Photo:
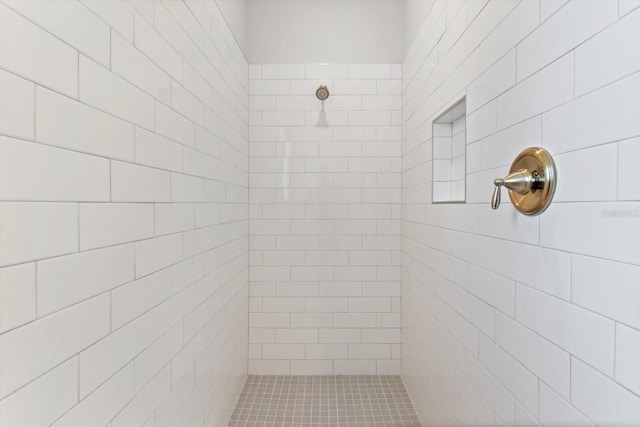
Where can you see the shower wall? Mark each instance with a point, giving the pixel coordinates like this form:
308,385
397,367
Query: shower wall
124,216
510,319
325,219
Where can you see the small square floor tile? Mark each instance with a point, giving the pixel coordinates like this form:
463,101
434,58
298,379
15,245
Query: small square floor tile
323,401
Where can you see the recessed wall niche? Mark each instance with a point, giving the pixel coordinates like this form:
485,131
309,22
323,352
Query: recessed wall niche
449,154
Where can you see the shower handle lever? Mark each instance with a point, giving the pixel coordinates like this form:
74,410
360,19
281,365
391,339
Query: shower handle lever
521,182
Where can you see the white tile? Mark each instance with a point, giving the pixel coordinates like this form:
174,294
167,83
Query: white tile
326,71
50,62
508,32
627,356
493,82
369,71
627,152
609,55
311,367
566,29
354,367
327,351
544,90
66,280
53,394
497,396
104,90
135,298
520,381
145,402
186,357
104,224
579,123
132,65
570,165
17,111
103,404
30,231
66,123
613,220
173,217
34,349
601,399
72,22
606,287
296,336
133,183
103,359
17,295
587,335
549,7
31,171
283,71
554,410
369,351
118,15
156,356
544,359
626,6
155,254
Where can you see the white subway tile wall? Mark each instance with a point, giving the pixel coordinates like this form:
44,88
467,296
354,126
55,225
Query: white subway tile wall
511,320
325,219
124,279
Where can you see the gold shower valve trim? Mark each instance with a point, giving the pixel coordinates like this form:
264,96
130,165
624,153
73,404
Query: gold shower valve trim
531,182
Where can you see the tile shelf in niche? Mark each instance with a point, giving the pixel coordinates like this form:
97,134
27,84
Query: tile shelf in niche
449,155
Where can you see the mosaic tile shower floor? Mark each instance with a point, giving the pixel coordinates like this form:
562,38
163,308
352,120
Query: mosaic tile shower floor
341,401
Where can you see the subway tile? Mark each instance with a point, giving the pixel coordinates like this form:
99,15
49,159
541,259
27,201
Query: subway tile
606,287
354,367
627,151
554,410
543,313
34,349
613,220
71,22
66,123
101,89
53,394
133,183
70,279
132,65
104,224
557,81
579,123
104,403
17,109
550,363
601,399
119,16
627,371
50,62
609,55
17,295
520,381
50,228
36,172
145,402
135,298
576,22
160,252
103,359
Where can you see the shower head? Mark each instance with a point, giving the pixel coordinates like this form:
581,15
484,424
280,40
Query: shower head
322,93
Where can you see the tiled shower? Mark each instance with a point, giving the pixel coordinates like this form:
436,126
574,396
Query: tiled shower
189,237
